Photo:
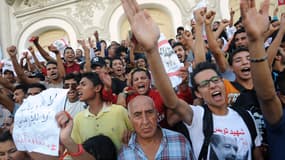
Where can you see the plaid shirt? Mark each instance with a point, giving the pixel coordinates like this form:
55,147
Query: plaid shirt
173,146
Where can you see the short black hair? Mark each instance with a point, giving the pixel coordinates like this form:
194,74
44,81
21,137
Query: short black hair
93,77
113,59
37,85
6,136
23,87
121,49
232,45
234,52
8,71
178,44
199,68
179,28
241,30
51,62
37,74
74,76
139,70
67,49
100,147
238,21
178,35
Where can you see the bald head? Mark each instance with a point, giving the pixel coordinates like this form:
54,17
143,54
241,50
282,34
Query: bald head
140,100
143,116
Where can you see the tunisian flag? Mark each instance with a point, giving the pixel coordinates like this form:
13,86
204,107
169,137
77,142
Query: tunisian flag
281,2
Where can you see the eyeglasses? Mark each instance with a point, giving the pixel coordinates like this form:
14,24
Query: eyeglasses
206,83
70,85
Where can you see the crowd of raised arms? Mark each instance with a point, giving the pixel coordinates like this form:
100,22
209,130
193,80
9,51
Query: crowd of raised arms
121,103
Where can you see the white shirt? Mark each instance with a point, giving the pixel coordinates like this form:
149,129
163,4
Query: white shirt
230,126
74,107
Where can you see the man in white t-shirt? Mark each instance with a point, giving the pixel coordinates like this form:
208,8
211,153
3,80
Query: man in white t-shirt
207,84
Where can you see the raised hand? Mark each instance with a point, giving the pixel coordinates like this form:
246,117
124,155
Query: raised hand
224,23
25,54
256,23
65,123
106,79
143,27
82,43
210,17
53,49
275,12
34,39
12,51
96,34
232,12
91,42
31,49
199,15
282,22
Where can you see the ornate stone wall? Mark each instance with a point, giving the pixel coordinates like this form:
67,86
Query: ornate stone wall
77,19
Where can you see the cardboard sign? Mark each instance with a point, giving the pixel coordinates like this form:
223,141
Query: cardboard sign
170,61
35,127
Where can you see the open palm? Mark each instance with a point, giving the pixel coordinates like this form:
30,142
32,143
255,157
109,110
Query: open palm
143,27
255,23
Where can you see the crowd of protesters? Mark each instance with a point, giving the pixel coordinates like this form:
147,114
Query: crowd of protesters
121,104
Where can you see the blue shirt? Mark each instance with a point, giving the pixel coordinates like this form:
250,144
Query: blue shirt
173,146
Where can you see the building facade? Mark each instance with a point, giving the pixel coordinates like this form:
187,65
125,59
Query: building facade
78,19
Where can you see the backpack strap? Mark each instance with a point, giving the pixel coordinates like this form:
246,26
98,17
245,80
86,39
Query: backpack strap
247,118
239,87
207,130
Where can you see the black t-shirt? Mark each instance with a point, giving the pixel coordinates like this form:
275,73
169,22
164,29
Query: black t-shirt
118,85
248,101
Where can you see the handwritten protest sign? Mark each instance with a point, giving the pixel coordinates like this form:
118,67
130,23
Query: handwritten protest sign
170,61
35,127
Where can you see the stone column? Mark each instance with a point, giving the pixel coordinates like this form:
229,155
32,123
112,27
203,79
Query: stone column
5,32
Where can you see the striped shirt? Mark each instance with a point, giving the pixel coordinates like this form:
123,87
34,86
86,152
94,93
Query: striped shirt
173,146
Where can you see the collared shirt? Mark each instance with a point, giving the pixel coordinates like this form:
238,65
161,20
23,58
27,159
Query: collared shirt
173,146
111,121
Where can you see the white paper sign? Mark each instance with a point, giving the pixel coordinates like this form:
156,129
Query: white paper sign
35,127
170,61
60,44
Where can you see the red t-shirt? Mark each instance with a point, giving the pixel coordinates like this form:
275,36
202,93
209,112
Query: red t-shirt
75,68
